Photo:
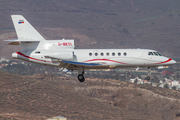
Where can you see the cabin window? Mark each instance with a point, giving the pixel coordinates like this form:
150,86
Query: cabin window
119,54
90,54
107,54
150,53
96,54
113,54
37,52
125,54
102,54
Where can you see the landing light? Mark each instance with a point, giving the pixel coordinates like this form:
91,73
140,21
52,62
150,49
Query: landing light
161,67
113,66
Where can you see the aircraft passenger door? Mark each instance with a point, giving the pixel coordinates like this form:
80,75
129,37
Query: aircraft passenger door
96,54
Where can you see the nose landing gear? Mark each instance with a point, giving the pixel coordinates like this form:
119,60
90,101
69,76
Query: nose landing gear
148,74
148,78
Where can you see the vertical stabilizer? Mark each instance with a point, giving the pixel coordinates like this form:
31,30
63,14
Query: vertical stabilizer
24,29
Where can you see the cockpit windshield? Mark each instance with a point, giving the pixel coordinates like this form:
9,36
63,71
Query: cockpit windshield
150,53
154,53
159,54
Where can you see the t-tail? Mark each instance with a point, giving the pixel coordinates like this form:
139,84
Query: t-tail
25,31
34,48
28,37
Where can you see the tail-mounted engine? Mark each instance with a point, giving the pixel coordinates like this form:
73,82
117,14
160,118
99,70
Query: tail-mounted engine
62,55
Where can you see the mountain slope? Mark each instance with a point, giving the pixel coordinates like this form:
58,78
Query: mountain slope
101,24
45,96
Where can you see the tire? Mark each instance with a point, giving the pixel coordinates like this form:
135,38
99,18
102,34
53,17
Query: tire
148,78
81,78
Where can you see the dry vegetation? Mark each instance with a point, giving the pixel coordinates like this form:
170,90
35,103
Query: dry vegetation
43,96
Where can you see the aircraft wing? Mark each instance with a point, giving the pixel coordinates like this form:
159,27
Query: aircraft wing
81,63
71,64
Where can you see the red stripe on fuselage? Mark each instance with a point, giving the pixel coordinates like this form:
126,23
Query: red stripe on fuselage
105,60
122,62
19,53
165,61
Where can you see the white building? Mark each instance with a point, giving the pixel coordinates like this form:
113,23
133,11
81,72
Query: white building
58,118
4,59
170,83
138,80
174,83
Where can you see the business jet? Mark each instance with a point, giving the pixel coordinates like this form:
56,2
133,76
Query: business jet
62,53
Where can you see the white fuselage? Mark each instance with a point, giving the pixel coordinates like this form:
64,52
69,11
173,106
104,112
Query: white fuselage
52,52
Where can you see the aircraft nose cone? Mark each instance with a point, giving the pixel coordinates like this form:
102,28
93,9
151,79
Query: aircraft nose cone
173,61
169,61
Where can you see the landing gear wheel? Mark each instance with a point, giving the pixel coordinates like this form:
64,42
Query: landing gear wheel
81,78
148,78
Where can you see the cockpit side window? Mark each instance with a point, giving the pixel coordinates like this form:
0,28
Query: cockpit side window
150,53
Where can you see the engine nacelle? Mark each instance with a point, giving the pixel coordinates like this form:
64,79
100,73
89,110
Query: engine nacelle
62,55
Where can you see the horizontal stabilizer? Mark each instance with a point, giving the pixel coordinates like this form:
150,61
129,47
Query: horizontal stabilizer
17,41
14,43
22,40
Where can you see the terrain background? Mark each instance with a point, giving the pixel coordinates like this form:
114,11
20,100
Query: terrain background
151,24
45,96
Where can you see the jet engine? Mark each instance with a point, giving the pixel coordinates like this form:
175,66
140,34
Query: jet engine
62,55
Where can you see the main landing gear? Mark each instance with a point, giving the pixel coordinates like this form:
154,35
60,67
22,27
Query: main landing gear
80,74
81,78
148,74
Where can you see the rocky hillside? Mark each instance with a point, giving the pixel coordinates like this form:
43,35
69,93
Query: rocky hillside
44,96
99,24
